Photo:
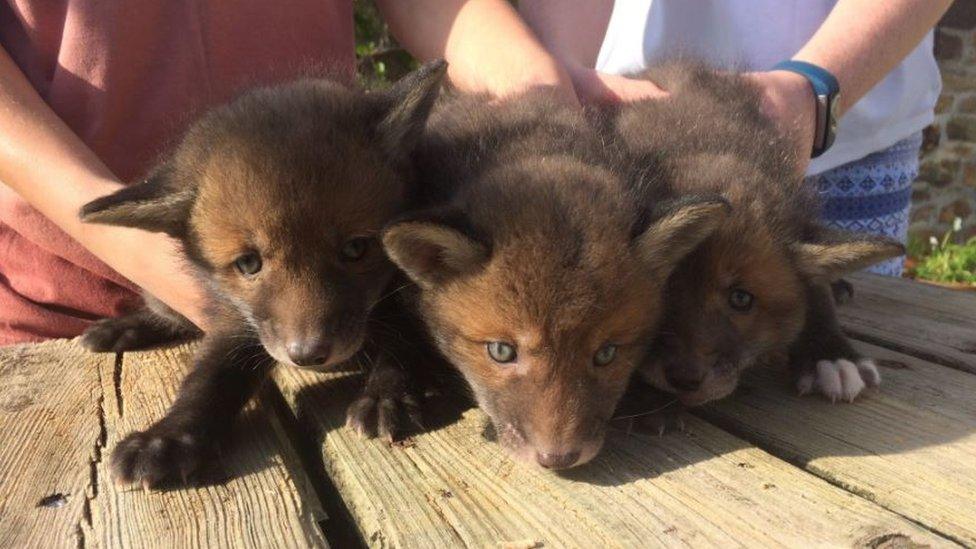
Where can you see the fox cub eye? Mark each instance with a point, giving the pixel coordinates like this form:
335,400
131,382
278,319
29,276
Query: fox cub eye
248,264
501,352
741,300
605,355
354,249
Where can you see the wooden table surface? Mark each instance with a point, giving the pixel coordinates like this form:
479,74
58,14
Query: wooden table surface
762,468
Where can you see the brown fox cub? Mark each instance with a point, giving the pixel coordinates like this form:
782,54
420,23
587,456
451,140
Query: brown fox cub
758,287
538,277
278,199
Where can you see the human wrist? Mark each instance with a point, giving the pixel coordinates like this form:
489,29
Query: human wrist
784,89
788,100
826,91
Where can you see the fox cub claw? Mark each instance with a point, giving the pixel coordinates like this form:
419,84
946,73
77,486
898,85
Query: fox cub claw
158,456
112,335
128,333
381,418
386,398
663,422
840,379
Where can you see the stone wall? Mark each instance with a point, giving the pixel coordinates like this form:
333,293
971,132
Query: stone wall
946,187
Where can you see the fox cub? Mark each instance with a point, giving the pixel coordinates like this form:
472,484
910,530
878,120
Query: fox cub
278,199
537,276
758,287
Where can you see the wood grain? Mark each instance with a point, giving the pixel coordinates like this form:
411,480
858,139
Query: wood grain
262,497
451,487
50,436
917,319
909,446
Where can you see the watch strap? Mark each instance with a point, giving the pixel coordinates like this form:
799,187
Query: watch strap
826,89
822,81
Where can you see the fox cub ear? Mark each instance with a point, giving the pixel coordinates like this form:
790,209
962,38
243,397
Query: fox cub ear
152,205
432,253
827,254
408,103
676,228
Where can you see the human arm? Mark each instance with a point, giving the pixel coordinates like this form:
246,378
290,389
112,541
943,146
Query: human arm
860,42
573,32
487,46
45,163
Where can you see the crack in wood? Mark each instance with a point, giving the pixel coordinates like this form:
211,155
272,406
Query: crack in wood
117,383
91,491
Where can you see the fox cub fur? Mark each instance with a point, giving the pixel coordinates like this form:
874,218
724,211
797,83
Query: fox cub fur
538,277
758,287
278,199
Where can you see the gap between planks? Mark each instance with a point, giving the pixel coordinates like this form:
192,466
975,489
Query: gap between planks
928,322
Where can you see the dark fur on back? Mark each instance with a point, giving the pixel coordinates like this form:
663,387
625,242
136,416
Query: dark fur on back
533,249
742,296
278,199
709,136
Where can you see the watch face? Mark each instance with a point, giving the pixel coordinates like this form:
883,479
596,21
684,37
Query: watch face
831,121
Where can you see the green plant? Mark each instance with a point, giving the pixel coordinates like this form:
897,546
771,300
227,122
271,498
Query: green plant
380,59
949,261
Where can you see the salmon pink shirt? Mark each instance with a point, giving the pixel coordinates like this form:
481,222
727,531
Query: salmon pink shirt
127,77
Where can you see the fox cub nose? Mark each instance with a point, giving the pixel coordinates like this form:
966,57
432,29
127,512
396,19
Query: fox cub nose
557,461
308,352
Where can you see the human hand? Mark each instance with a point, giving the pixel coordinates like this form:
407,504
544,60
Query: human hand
788,101
161,268
547,75
595,87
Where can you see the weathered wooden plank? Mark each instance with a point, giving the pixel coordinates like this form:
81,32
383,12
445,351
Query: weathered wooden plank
451,487
265,501
917,319
50,436
909,446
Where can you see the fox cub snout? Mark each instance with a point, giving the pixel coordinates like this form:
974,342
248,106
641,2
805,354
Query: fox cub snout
278,199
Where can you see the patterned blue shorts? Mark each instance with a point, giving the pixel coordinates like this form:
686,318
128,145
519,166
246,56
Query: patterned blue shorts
873,195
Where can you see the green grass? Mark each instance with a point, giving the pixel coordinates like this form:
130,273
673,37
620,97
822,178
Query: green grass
946,260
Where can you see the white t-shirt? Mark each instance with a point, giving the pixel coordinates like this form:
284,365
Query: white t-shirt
757,34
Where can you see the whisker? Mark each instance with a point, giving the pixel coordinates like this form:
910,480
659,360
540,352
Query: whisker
655,410
392,292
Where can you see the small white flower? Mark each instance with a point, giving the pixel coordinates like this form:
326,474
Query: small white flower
957,224
934,241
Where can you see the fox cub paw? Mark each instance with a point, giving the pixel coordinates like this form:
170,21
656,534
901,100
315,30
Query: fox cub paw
840,379
158,456
386,399
380,417
122,334
842,290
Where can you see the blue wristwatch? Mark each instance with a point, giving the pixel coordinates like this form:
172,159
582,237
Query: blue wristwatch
827,91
